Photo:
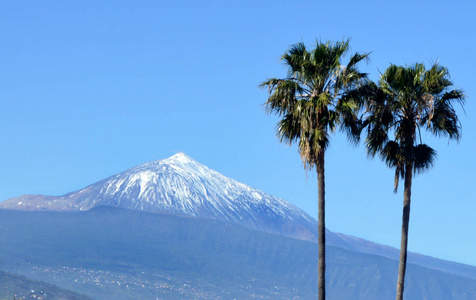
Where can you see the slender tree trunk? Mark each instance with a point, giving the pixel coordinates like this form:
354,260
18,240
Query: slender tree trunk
405,221
321,230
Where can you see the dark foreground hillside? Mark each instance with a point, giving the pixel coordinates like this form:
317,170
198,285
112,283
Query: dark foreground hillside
120,254
18,287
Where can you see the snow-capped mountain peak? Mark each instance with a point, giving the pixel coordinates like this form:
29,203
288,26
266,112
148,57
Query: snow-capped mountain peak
182,186
180,157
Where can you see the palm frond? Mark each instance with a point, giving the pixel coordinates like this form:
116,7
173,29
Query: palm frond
391,154
288,129
357,58
423,157
283,93
376,139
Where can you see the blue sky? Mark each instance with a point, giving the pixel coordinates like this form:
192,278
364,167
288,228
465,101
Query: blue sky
91,88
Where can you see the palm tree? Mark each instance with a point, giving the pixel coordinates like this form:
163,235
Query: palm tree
309,102
406,101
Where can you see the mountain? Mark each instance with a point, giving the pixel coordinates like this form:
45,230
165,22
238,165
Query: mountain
364,246
19,287
182,186
110,253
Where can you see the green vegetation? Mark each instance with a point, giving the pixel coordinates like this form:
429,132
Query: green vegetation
406,101
310,102
321,93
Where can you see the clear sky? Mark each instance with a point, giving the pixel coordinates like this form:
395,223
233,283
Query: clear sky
91,88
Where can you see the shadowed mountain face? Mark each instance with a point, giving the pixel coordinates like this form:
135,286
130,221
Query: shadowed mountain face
110,253
181,186
18,287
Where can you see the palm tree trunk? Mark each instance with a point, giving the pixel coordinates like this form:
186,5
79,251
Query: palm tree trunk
321,229
405,221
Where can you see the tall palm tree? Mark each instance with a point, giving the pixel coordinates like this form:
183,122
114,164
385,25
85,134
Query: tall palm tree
406,101
308,100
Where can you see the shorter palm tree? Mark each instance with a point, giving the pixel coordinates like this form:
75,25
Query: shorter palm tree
406,101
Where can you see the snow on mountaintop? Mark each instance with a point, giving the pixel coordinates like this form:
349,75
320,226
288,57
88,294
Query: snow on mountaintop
182,186
181,157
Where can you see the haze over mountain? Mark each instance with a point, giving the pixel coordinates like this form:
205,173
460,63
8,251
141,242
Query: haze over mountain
181,186
117,254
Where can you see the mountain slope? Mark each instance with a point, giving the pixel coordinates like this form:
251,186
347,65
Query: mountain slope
180,185
189,258
19,287
364,246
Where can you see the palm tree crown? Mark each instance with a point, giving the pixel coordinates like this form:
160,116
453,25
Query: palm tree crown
309,101
307,97
407,100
